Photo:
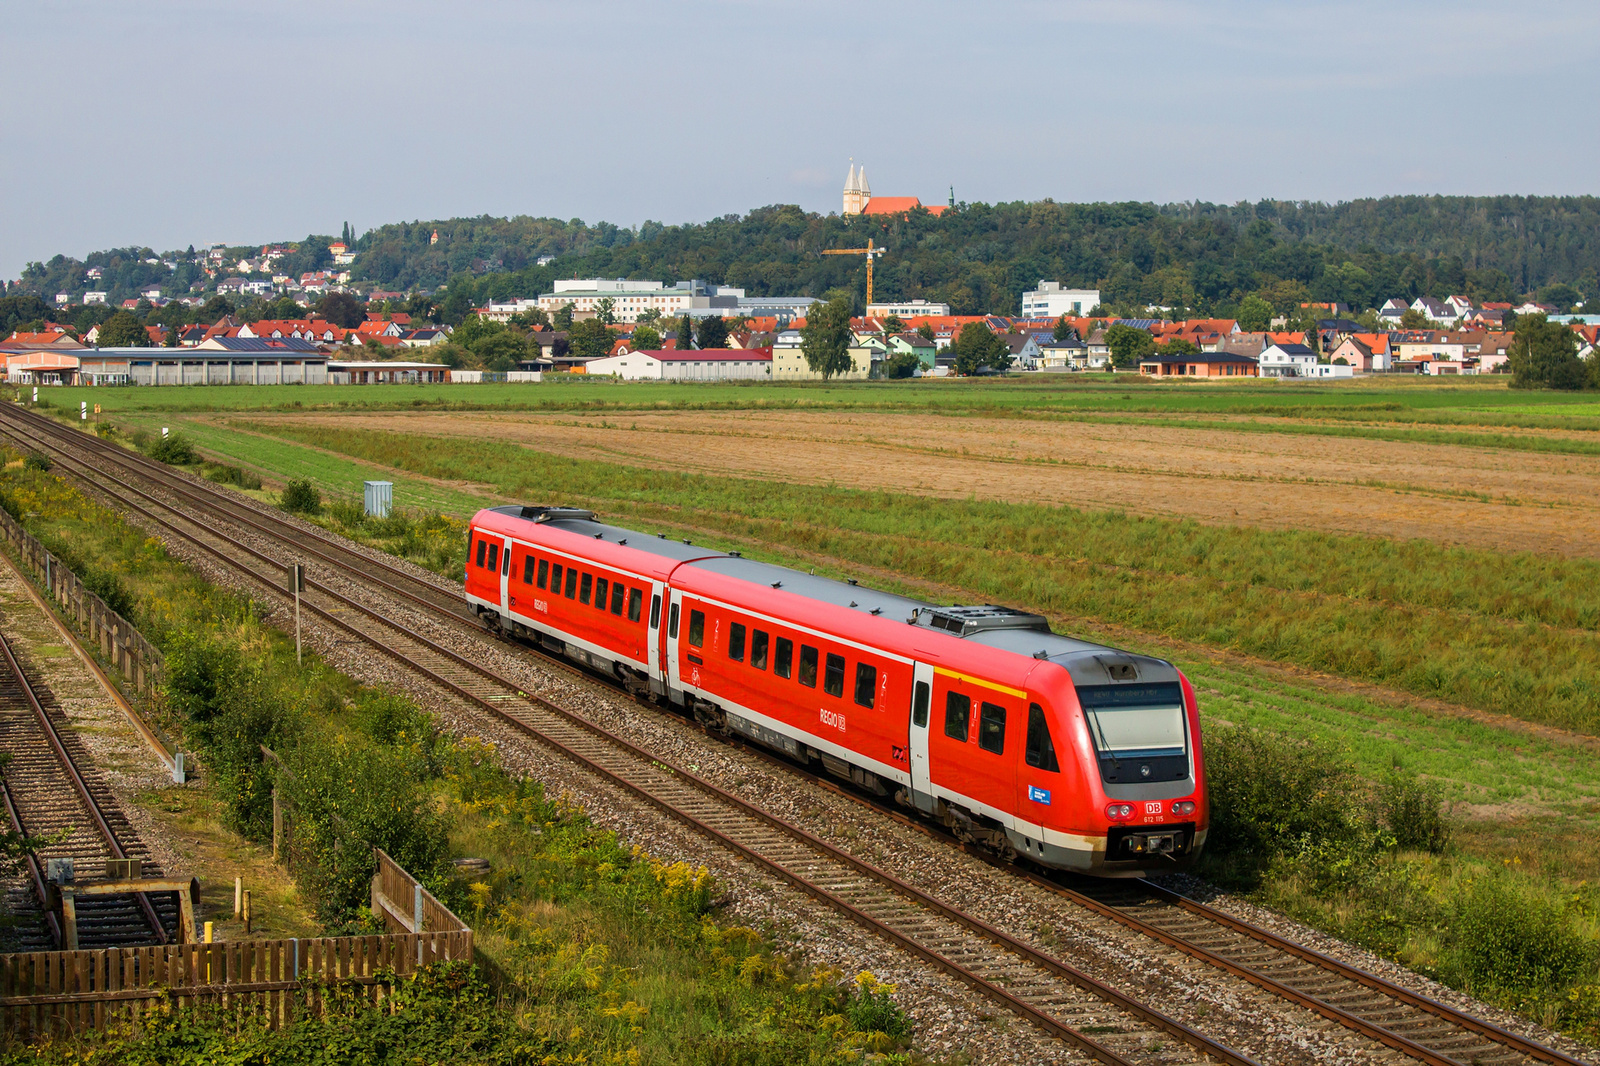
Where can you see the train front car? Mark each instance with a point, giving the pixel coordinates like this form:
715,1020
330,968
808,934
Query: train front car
1112,779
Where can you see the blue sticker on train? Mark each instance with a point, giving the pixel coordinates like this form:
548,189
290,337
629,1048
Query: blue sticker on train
1038,795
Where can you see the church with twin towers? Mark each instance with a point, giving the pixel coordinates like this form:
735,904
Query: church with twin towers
858,198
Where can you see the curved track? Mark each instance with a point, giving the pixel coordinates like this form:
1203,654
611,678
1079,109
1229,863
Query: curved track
1410,1024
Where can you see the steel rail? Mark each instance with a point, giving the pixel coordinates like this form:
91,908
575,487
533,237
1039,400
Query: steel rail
1150,1016
79,785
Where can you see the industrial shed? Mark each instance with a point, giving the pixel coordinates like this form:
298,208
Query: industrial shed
218,361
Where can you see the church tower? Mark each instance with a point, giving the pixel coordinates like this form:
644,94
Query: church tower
856,191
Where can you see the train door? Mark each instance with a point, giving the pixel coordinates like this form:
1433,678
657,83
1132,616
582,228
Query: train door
653,637
921,700
505,575
669,663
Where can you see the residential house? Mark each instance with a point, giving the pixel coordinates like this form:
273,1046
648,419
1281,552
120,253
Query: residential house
233,285
1071,354
424,338
1392,311
313,330
1287,360
1433,310
789,361
1203,365
1251,344
1487,319
94,298
1098,351
710,364
1024,350
1429,345
1366,352
914,344
1458,307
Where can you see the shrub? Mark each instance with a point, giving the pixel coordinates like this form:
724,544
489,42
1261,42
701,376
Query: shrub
1413,812
225,474
1509,939
301,497
174,450
350,514
904,365
37,461
871,1008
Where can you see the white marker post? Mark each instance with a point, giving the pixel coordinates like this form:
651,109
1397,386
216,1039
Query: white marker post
163,432
297,582
83,410
36,394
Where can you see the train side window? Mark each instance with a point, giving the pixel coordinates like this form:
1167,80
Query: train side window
572,583
483,546
697,628
494,557
527,569
635,604
1040,752
957,716
555,580
992,728
655,612
672,622
808,666
919,705
616,600
833,675
866,684
736,642
507,561
544,572
782,656
758,649
585,588
601,586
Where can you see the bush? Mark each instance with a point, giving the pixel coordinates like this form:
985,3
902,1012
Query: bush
350,514
37,461
225,474
174,450
904,365
1509,939
1413,812
301,497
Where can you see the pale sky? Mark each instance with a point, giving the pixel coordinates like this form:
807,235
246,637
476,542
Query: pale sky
171,122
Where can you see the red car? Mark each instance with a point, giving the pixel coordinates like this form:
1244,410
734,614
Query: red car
1076,755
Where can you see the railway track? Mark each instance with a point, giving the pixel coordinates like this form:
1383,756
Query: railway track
47,794
1409,1025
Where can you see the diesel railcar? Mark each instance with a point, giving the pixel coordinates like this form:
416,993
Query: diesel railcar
1075,755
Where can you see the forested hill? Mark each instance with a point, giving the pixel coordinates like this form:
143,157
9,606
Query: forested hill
981,257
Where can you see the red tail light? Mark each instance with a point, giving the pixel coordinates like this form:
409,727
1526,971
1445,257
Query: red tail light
1119,812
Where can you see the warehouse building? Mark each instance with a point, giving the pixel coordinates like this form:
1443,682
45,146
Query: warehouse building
218,361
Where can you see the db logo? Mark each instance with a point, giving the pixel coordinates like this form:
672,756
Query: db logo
1152,808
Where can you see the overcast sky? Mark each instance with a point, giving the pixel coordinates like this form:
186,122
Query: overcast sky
171,122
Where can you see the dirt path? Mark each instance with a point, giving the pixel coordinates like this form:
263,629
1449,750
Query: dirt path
1482,497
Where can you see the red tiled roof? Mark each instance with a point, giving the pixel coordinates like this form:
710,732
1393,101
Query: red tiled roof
708,355
896,205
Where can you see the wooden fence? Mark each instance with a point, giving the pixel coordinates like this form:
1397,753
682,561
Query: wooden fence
120,643
276,980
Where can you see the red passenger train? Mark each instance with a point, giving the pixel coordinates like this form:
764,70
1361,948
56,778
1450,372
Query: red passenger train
1073,754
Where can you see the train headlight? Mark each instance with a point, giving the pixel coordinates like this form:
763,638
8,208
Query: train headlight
1119,812
1185,807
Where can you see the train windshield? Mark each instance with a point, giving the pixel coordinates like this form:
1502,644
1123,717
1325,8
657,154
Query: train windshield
1138,730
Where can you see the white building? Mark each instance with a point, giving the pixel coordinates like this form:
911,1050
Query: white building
1050,300
630,299
908,309
709,364
94,298
1288,361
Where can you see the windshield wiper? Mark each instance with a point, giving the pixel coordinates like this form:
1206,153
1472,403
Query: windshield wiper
1105,745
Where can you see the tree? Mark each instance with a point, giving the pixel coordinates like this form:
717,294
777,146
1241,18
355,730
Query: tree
904,365
590,339
925,331
893,324
649,316
1561,295
215,308
455,306
123,330
825,338
1064,331
563,319
1544,355
529,318
713,333
171,339
342,309
1255,314
977,346
606,311
1128,345
1411,318
646,339
501,351
685,333
1177,346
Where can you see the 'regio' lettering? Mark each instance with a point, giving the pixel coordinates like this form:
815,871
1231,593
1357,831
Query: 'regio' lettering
831,718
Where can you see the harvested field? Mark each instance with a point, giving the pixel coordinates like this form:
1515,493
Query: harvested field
1482,497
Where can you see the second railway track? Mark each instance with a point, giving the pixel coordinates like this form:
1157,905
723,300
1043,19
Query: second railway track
1398,1021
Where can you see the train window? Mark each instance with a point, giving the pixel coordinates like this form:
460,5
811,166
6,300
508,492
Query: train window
919,705
572,583
833,675
600,585
635,604
555,580
992,728
697,628
1040,753
655,612
758,649
782,656
957,715
808,666
672,622
585,588
736,642
527,569
544,572
494,557
866,684
616,601
483,546
507,565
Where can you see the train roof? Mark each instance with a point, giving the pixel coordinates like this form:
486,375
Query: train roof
822,589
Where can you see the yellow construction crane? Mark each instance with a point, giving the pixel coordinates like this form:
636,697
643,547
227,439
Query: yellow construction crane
869,251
